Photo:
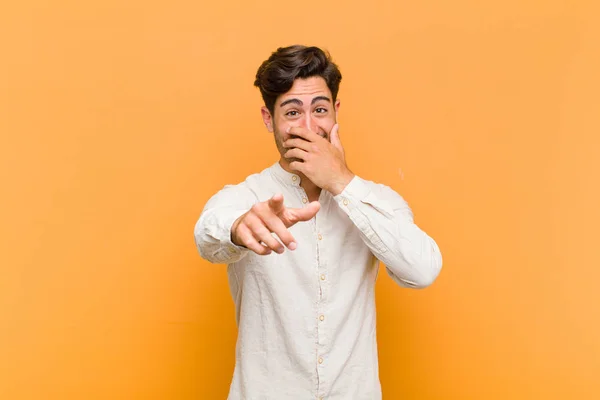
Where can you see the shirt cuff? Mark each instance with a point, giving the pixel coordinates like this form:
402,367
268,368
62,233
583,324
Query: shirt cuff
357,194
232,248
353,194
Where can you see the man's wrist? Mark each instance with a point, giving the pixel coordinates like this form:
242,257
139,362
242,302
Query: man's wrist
340,184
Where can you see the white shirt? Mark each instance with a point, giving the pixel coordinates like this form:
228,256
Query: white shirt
306,318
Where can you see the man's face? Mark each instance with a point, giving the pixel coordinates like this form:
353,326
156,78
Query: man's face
307,104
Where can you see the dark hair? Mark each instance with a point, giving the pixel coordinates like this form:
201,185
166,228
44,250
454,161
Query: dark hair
277,74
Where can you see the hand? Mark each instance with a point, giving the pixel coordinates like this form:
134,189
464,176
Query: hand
322,162
253,229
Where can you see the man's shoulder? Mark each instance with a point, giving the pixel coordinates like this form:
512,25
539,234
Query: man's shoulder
256,178
254,184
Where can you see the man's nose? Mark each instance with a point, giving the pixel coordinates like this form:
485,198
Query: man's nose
311,124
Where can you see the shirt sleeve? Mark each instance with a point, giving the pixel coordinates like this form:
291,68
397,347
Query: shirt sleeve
387,227
212,232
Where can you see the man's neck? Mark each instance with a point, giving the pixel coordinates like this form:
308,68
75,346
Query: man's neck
312,191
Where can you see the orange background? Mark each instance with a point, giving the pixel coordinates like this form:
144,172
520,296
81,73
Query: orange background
119,120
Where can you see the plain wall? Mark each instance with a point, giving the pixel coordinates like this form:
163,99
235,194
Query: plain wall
119,120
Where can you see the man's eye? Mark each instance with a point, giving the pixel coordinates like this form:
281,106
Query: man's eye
321,110
292,113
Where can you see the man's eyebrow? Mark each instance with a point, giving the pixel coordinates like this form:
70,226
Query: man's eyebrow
289,101
300,103
320,98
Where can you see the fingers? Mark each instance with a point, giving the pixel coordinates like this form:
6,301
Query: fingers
261,233
247,238
296,153
275,203
297,166
276,225
303,133
335,137
305,213
334,130
298,143
254,231
253,234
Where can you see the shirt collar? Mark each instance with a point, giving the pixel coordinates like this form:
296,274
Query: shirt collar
284,176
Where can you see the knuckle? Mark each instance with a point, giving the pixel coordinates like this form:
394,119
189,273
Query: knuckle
256,227
249,222
246,238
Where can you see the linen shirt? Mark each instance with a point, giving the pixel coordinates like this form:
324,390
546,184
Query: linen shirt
306,318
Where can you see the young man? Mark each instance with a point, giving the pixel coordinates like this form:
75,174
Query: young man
303,240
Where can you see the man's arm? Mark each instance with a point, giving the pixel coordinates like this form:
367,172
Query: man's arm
234,222
384,219
386,225
212,232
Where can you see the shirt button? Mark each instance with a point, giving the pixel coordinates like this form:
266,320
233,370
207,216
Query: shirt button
345,202
320,360
294,178
304,200
320,236
322,317
322,277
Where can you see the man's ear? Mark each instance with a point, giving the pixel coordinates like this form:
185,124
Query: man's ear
337,108
267,118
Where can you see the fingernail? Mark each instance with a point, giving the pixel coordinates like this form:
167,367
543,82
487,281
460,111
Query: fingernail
292,246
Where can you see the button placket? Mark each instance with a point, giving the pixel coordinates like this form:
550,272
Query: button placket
322,294
321,319
323,286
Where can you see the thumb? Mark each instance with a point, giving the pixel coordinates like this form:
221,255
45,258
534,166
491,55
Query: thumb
305,213
335,138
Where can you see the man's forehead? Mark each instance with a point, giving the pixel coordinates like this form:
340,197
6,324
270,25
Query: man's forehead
307,88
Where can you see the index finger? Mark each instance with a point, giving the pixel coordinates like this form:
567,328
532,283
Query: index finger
276,225
303,133
276,203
